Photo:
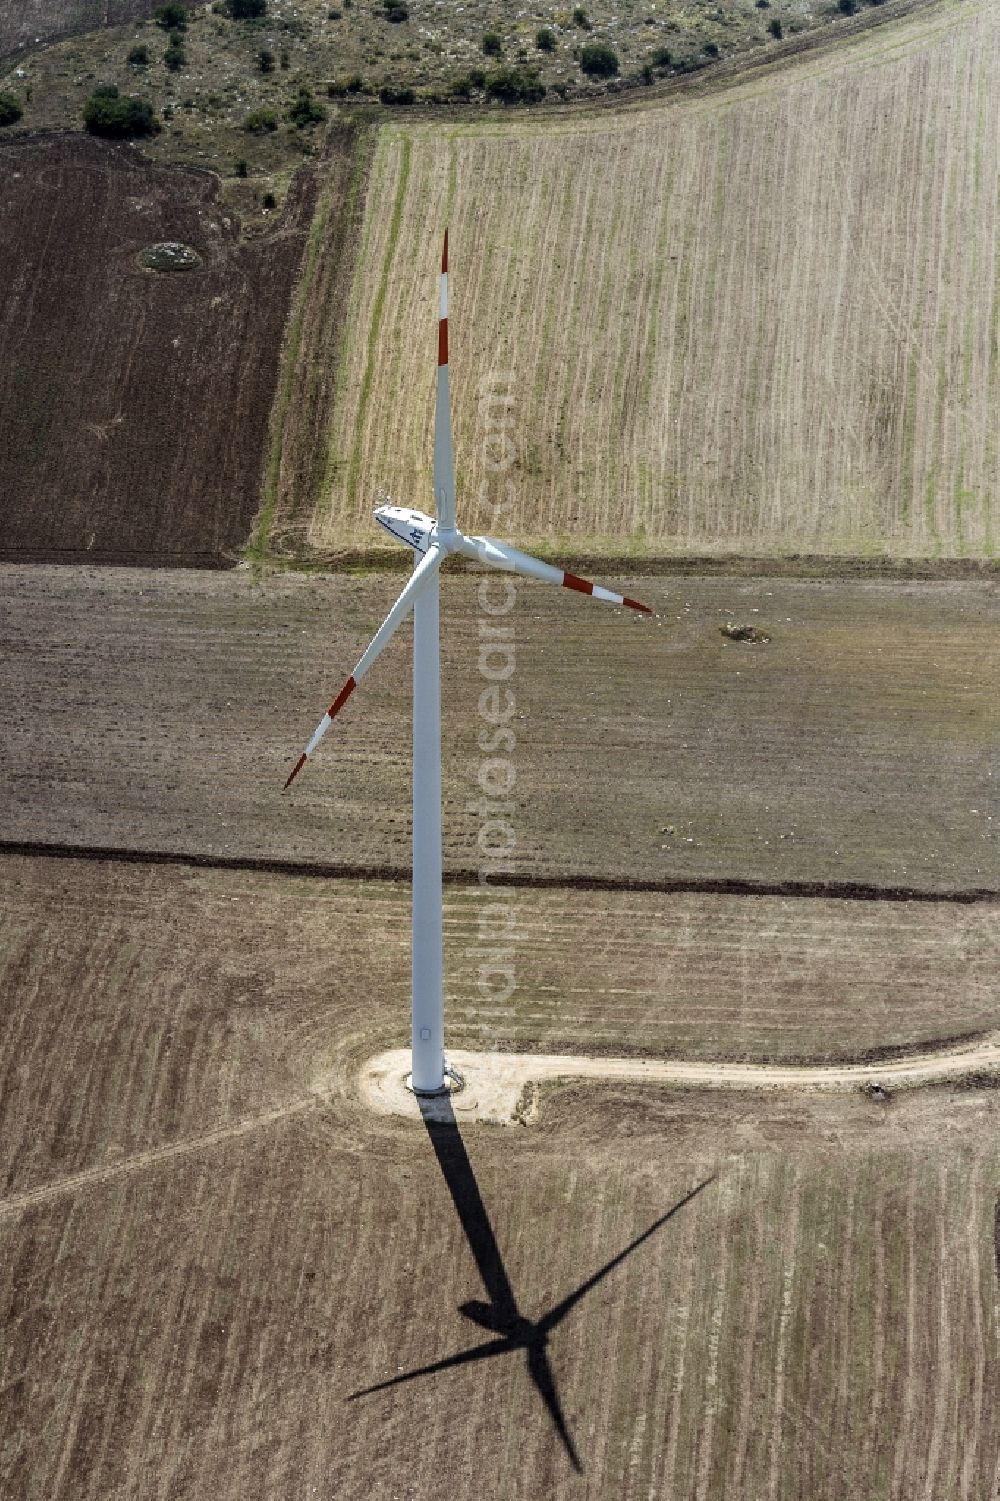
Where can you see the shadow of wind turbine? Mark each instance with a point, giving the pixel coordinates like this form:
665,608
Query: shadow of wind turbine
500,1315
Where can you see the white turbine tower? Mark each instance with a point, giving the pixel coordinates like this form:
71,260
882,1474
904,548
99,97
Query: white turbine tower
431,541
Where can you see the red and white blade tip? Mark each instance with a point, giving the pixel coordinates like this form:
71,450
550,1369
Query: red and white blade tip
295,771
584,586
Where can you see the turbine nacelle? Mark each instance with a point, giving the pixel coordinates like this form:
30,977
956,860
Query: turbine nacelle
413,528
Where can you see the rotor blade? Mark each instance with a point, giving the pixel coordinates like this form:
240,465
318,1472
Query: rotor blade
559,1312
464,1357
425,569
511,560
541,1375
444,476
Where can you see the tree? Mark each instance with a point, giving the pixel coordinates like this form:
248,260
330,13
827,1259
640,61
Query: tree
10,109
304,110
171,17
265,60
107,113
247,10
259,121
515,86
492,44
139,57
545,40
581,19
598,60
774,27
175,57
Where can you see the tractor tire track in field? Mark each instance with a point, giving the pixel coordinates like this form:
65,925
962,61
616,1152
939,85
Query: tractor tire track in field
848,891
110,1171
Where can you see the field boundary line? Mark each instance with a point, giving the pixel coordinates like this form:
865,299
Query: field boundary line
109,1171
857,891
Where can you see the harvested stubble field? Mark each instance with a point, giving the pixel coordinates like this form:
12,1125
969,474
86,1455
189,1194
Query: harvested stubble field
162,712
133,403
756,319
201,1257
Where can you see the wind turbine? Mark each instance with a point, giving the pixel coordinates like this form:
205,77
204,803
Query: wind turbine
432,541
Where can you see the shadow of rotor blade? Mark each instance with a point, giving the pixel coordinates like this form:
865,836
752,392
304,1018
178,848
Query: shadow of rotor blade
541,1375
559,1312
464,1357
453,1160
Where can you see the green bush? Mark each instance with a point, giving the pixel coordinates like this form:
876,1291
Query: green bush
10,109
175,57
240,168
139,57
661,58
265,61
774,27
247,10
259,121
477,78
493,44
171,17
305,110
581,19
353,85
390,95
712,49
107,113
598,60
396,12
269,201
545,40
515,86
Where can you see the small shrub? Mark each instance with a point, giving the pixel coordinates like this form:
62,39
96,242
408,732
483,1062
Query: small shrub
389,95
260,121
139,57
10,109
107,113
353,85
581,19
171,17
396,12
847,7
774,27
598,60
265,60
712,49
492,44
269,201
240,168
515,86
545,40
284,61
477,78
647,75
661,58
175,57
763,4
305,110
247,10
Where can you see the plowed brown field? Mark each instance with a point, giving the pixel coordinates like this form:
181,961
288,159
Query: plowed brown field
134,405
201,1258
26,22
164,711
760,318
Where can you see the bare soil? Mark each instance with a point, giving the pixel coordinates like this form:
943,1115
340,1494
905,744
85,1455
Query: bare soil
163,711
134,404
202,1258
